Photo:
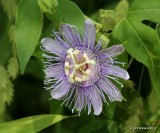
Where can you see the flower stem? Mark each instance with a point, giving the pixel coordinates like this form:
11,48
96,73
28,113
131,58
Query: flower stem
130,62
140,81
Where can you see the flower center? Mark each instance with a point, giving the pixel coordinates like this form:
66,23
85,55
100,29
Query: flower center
78,66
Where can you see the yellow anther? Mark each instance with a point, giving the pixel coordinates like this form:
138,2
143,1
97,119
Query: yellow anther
92,62
71,78
87,72
84,77
66,64
78,79
68,56
69,50
85,56
76,52
67,71
67,68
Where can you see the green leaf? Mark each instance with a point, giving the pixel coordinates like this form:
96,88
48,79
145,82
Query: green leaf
109,110
5,45
5,48
31,124
142,41
134,110
158,29
136,106
155,78
47,5
133,121
129,84
97,125
153,102
92,126
28,30
63,11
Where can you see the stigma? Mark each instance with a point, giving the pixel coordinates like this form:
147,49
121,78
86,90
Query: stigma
78,66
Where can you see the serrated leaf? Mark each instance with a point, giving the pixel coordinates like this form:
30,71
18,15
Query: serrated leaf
153,102
11,34
28,30
65,11
142,42
129,84
13,67
9,6
32,124
131,123
6,89
136,106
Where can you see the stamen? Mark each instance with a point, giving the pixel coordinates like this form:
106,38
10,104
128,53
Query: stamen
110,59
70,52
92,62
76,52
85,56
115,79
71,78
78,79
122,63
79,65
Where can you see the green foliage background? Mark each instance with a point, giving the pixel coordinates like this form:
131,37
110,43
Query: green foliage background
24,103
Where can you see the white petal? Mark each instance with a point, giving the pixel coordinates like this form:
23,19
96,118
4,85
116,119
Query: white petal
96,101
52,46
89,35
80,100
54,70
113,50
60,90
117,72
110,89
71,34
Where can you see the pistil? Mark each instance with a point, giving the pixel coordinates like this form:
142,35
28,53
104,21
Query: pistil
78,66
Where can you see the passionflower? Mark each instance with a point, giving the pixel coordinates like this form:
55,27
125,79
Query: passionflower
78,71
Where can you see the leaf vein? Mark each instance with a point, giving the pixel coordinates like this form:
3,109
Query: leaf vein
140,41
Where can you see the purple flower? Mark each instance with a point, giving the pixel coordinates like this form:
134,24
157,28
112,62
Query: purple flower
78,71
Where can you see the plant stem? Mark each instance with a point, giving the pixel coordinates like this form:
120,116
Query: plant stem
140,80
130,62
